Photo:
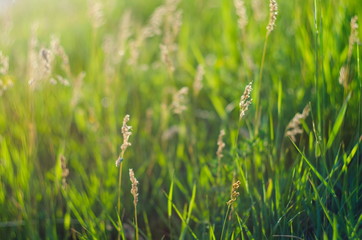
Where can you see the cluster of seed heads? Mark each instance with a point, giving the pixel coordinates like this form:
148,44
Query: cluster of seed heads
234,193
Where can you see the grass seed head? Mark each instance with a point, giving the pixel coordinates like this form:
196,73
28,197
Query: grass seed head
293,128
58,50
166,57
343,76
220,144
245,100
4,64
96,14
198,79
353,37
273,12
65,171
134,189
153,28
46,60
241,12
179,101
126,132
234,193
258,8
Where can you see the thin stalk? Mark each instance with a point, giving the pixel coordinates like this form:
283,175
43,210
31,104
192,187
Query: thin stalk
126,132
257,111
135,220
223,225
359,115
316,74
119,200
263,58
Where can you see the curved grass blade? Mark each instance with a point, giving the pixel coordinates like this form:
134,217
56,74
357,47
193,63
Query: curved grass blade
338,123
314,170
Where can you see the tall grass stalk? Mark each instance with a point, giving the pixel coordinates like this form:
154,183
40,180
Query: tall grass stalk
273,12
120,230
126,132
316,73
224,222
134,192
359,114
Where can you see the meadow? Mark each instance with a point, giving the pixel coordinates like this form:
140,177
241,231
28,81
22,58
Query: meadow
180,119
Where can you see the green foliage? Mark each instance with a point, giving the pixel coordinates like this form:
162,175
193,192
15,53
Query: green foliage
309,188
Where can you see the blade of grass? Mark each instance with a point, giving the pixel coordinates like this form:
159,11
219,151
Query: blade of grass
314,170
182,218
338,123
169,201
326,213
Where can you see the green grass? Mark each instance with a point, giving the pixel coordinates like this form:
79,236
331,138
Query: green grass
307,189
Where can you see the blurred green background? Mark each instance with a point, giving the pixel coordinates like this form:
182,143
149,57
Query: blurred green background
76,68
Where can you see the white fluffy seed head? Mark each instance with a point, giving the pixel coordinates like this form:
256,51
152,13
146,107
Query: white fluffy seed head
273,12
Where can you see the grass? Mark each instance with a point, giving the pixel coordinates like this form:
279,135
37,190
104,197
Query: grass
105,66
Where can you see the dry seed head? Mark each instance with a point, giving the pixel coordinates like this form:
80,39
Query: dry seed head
241,12
293,128
170,133
63,81
245,100
124,33
153,27
179,101
110,47
96,14
273,12
134,189
4,64
166,58
198,79
115,47
58,50
46,60
77,87
353,37
173,24
220,144
234,193
258,10
134,47
65,171
126,132
343,76
33,63
172,4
